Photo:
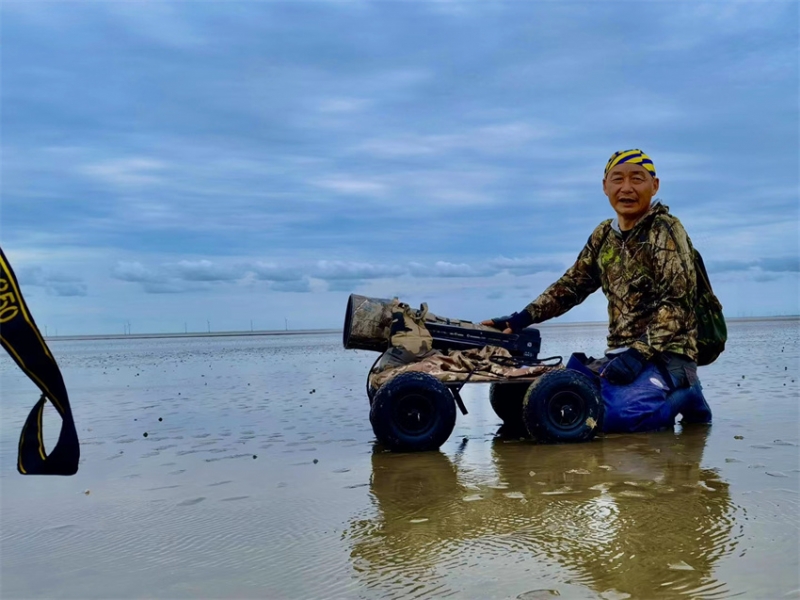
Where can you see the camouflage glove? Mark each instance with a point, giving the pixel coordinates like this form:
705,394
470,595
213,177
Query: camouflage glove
626,367
516,322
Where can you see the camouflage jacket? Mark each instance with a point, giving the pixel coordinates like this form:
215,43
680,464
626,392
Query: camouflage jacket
648,279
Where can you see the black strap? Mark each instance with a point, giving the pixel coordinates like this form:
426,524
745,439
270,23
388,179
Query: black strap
22,339
700,272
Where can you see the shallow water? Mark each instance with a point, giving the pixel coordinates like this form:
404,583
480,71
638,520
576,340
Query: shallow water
258,478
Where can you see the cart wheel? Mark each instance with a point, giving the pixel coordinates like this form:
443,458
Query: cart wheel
413,412
563,406
506,400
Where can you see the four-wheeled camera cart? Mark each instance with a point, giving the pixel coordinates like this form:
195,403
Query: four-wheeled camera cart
413,403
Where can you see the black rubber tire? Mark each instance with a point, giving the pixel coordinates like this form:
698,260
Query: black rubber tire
371,391
413,412
506,400
563,406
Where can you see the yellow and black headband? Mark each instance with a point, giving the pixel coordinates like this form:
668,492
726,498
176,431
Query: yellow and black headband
635,156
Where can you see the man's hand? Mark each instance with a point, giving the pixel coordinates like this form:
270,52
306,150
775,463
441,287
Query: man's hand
624,368
512,323
498,323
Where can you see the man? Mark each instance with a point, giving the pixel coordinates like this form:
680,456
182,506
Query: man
643,262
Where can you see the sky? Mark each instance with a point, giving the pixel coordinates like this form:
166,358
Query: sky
194,166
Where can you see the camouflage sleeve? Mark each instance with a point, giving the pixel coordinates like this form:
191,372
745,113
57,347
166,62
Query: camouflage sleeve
673,271
574,286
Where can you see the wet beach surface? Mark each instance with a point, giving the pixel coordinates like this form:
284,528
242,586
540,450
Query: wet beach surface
258,477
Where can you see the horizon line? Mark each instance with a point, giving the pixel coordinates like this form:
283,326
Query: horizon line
279,332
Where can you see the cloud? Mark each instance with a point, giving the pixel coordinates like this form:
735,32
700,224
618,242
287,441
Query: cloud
490,139
303,286
31,276
126,172
68,289
54,283
136,272
352,186
333,270
781,264
525,266
339,275
167,287
153,281
298,276
173,278
343,285
763,277
733,20
205,270
197,275
165,24
273,272
343,105
447,269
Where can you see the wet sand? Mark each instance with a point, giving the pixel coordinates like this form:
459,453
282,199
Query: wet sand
259,478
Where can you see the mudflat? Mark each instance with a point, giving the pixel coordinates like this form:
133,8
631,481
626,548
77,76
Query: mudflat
244,467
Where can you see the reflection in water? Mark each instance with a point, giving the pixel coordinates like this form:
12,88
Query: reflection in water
629,516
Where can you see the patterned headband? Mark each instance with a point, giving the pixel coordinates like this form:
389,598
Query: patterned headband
635,156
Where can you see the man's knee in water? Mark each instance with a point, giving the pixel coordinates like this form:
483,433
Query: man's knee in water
694,408
687,396
641,405
650,403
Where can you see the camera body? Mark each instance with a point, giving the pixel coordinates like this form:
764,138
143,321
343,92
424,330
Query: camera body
368,322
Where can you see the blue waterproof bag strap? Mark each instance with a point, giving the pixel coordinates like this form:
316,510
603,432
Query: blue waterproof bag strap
24,342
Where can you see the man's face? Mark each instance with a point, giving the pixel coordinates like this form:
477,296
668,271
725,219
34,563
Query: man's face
630,188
